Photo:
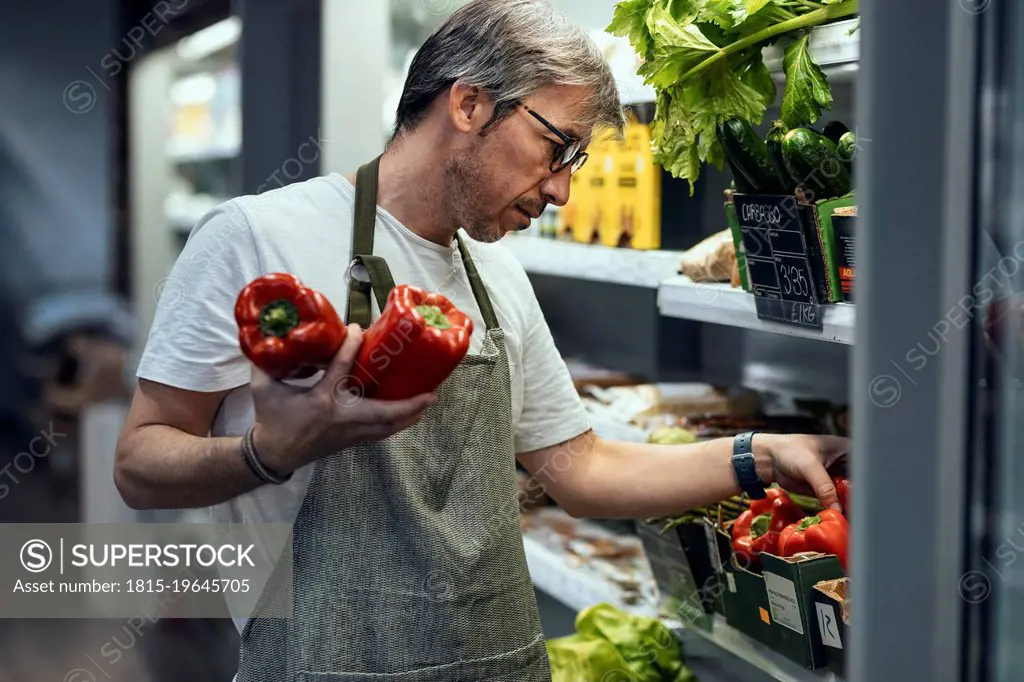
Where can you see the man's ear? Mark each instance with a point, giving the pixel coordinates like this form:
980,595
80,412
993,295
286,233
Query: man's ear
467,107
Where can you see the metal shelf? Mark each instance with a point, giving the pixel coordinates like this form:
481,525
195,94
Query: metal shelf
732,643
733,307
595,263
180,154
831,45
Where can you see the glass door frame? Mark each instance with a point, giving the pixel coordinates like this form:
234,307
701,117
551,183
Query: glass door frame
917,107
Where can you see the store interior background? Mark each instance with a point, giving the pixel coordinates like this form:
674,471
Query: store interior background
98,192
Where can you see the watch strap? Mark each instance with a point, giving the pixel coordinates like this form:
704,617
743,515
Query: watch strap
745,467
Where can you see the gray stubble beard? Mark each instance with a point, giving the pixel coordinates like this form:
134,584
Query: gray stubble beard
463,183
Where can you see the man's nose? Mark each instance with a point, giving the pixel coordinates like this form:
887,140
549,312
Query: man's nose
555,189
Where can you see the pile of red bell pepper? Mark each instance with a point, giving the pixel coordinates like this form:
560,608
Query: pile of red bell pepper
291,332
777,526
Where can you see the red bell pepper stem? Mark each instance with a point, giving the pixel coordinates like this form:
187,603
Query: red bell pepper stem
286,329
418,341
759,526
278,318
434,316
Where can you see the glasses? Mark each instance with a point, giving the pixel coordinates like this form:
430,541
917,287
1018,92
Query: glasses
569,154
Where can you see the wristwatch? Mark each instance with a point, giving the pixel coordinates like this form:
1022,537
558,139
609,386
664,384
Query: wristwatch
743,464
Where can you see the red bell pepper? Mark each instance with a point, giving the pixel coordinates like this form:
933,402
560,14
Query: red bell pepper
286,329
778,503
827,532
742,542
780,511
418,341
843,490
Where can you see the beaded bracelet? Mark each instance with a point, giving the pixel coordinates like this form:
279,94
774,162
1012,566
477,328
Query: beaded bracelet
257,467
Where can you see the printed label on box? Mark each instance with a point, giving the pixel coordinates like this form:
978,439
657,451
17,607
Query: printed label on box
782,599
828,627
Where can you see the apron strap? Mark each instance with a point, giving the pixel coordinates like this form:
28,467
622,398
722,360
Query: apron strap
360,305
483,301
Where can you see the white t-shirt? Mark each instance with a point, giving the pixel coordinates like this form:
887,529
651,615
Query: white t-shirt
306,229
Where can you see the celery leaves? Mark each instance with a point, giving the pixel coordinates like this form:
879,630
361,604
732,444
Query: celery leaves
687,119
807,89
630,21
703,58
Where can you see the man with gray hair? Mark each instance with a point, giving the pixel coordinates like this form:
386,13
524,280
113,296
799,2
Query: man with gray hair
407,559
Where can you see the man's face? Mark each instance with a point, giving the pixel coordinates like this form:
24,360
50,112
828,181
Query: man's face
499,182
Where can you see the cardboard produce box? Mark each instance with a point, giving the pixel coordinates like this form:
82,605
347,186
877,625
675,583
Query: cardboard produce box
737,239
819,228
844,220
789,583
681,591
777,607
832,606
745,599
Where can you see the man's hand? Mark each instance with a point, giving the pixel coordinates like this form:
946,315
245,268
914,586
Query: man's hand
802,464
297,426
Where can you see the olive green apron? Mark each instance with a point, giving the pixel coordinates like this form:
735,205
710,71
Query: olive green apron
407,553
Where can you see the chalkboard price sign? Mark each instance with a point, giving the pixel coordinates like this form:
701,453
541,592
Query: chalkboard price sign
777,260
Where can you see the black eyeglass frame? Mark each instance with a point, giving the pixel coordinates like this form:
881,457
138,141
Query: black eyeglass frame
568,141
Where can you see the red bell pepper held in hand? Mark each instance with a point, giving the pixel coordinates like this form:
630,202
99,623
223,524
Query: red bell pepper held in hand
418,341
842,485
286,329
778,503
827,532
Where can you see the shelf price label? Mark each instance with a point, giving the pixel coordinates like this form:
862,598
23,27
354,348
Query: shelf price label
777,260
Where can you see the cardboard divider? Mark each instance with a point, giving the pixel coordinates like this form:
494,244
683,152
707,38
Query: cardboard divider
832,608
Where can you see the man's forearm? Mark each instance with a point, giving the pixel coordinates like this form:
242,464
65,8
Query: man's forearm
160,467
635,480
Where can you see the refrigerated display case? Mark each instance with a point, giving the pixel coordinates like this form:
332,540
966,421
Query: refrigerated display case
934,92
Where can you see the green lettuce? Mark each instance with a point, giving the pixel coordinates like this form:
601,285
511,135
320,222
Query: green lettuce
703,58
611,644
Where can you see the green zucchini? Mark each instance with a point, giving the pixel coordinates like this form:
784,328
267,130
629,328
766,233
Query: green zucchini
774,143
813,160
749,154
834,131
740,179
847,149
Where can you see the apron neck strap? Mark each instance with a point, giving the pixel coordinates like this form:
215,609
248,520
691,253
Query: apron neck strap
381,282
483,301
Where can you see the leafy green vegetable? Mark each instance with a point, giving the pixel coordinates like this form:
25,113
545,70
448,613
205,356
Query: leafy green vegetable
703,57
758,77
807,88
612,644
630,21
